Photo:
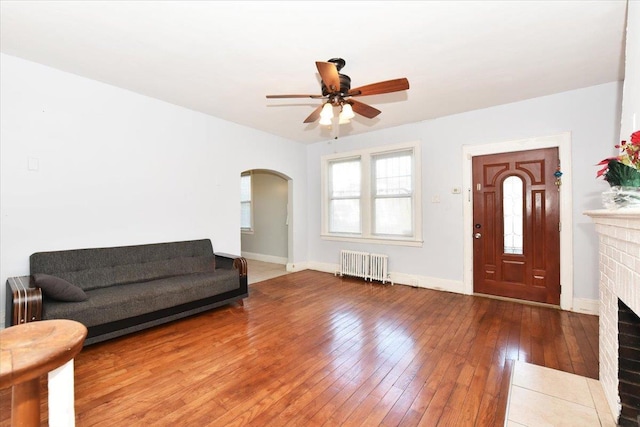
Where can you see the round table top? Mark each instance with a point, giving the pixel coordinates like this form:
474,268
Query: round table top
30,350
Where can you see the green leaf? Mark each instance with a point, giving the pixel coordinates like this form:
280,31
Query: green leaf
620,174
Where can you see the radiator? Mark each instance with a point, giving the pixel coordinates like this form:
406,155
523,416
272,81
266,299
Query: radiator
363,264
354,263
378,267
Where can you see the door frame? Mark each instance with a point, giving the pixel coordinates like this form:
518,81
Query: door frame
563,142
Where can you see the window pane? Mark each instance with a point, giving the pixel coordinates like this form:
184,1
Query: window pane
344,216
393,174
512,210
245,201
245,188
393,216
245,215
345,179
344,193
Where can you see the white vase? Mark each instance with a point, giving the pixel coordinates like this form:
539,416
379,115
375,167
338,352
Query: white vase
621,197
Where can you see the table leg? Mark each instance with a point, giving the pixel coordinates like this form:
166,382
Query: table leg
61,396
25,404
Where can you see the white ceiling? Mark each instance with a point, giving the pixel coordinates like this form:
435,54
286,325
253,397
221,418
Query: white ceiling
222,58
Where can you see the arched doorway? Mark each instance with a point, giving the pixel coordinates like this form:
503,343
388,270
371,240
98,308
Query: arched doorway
265,222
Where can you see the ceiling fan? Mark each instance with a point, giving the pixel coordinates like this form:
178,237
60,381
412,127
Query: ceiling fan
336,90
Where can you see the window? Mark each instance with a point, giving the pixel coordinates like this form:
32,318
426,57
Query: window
393,194
344,196
245,203
373,195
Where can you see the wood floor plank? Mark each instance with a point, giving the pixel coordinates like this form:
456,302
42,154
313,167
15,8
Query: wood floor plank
433,411
312,349
501,408
524,346
586,350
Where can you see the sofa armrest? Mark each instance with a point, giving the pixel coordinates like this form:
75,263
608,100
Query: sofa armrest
232,261
23,301
240,264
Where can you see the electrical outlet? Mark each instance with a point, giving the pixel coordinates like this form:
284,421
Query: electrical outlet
33,164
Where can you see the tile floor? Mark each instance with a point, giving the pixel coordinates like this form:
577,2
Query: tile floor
540,396
259,270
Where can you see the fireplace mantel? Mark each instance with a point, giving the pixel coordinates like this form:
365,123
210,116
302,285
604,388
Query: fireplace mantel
619,263
615,213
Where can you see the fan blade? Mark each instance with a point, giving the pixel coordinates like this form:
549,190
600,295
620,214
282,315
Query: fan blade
388,86
315,115
364,109
294,96
329,74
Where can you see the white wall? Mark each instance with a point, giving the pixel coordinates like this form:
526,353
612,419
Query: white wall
631,92
268,239
117,168
592,117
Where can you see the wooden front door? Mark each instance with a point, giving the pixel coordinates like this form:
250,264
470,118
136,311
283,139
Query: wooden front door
516,225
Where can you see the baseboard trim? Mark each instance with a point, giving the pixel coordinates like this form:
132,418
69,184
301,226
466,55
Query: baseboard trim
323,267
298,266
586,306
580,305
437,284
403,279
265,258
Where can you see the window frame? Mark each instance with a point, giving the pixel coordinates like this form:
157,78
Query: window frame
367,197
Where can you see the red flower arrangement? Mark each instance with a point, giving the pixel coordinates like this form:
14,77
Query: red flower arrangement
623,170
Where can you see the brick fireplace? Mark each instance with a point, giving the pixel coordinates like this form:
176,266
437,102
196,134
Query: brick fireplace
619,249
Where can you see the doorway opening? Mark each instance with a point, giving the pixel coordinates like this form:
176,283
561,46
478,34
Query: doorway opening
266,226
563,143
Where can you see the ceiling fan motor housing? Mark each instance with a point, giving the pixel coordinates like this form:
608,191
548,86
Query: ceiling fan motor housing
345,86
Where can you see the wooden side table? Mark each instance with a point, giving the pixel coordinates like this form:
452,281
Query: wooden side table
30,350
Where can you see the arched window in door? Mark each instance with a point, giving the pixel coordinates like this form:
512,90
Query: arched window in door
512,212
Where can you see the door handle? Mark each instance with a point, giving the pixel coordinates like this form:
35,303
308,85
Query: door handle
477,235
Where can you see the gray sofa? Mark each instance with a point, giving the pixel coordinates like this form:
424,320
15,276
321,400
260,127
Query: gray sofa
119,290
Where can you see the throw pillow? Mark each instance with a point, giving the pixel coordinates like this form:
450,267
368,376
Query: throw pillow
59,289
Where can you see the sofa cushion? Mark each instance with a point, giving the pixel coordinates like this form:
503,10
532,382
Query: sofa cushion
99,267
100,277
59,289
123,301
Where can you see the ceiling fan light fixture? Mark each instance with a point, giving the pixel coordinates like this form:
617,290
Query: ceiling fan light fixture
326,121
346,113
327,112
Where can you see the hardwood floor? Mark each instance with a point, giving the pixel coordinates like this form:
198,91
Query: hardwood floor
310,349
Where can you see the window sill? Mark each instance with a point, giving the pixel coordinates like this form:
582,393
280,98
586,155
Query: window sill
373,240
